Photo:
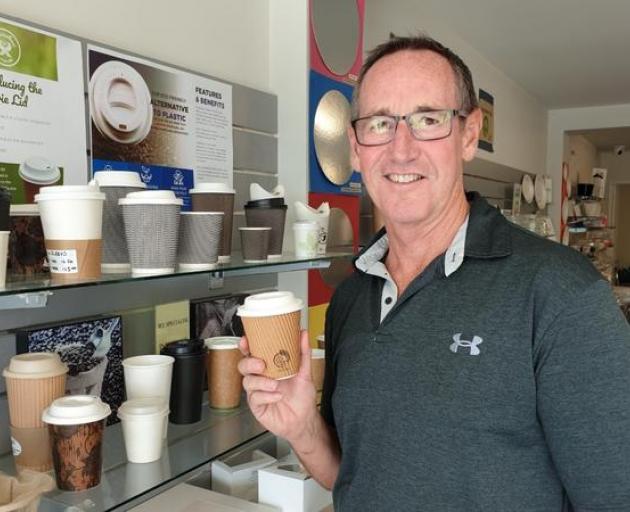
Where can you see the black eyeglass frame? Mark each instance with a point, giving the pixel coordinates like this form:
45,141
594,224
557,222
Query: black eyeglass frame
453,112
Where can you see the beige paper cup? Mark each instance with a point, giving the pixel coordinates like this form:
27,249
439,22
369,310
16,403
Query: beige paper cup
225,383
272,326
318,366
31,448
34,381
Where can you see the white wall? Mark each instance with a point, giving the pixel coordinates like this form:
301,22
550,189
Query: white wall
227,39
520,119
582,158
618,173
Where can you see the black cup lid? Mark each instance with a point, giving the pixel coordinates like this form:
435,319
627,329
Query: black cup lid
265,206
5,192
183,348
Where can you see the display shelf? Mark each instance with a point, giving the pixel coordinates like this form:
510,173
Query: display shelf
188,447
33,291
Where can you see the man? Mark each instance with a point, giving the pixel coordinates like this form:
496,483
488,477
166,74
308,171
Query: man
471,365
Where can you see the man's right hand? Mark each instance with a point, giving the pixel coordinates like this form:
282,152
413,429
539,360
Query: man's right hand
285,407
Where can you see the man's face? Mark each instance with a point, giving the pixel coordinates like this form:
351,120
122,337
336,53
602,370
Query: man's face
411,181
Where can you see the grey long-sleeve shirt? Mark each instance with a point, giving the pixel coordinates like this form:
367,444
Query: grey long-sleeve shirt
502,387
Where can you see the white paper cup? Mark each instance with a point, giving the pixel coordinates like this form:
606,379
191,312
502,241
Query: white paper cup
306,238
143,428
72,217
320,215
148,376
4,251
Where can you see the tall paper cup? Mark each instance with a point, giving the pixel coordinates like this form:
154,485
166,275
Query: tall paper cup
217,197
116,185
4,254
33,381
318,364
152,230
272,326
143,423
199,240
76,425
31,448
72,218
225,383
148,376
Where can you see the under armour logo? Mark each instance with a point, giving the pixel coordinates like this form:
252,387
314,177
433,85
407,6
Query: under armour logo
472,345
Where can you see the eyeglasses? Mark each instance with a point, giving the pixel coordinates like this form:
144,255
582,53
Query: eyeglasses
428,125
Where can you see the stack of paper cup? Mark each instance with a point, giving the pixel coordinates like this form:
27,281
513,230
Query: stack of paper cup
34,381
143,428
217,197
225,383
272,326
72,218
151,222
116,185
305,237
76,425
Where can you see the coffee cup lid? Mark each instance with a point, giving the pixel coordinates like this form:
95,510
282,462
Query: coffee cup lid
151,197
222,342
255,228
203,213
321,337
306,225
39,170
269,304
183,348
318,353
35,365
212,188
147,361
118,179
152,406
70,192
257,192
25,210
76,410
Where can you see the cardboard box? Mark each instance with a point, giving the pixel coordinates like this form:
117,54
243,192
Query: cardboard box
237,475
289,488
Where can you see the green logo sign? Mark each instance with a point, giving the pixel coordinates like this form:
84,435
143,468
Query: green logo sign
10,50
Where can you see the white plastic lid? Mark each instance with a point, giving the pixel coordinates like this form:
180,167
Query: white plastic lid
118,179
148,361
256,192
24,210
222,342
202,213
255,228
270,303
308,225
304,210
69,191
76,410
36,365
212,188
143,407
39,170
318,353
321,337
151,197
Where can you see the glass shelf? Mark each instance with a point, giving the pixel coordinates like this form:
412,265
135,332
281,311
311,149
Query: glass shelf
188,447
31,291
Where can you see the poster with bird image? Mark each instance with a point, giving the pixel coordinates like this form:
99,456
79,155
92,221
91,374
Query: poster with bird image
91,348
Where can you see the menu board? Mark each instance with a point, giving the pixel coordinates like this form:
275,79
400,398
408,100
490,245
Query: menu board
42,111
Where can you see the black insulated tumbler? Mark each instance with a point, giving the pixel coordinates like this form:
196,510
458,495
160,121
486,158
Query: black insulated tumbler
5,205
188,379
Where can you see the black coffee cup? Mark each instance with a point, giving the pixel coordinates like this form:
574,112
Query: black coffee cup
5,206
188,379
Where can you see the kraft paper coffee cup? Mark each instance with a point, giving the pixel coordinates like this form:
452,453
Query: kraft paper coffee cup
72,217
305,238
76,425
318,365
225,383
143,428
321,341
217,197
33,381
272,217
31,448
255,244
152,220
148,376
116,185
199,239
37,172
272,326
27,251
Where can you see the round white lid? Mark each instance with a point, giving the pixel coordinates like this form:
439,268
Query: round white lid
212,188
152,406
222,342
148,361
151,197
69,191
27,210
35,365
255,228
118,179
270,303
39,170
76,410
